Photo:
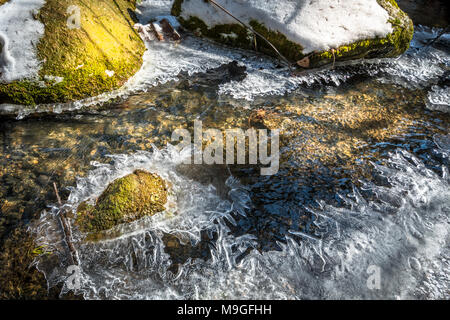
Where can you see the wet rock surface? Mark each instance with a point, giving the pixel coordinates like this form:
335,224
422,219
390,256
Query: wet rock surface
233,33
124,200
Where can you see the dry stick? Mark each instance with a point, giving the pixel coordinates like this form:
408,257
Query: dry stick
255,32
66,229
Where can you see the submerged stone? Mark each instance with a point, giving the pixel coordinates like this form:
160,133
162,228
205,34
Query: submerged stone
87,48
310,34
125,200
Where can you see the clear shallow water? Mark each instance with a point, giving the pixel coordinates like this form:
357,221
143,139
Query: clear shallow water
363,178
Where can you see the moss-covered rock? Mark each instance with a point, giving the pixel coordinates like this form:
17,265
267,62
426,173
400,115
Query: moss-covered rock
82,62
393,44
124,200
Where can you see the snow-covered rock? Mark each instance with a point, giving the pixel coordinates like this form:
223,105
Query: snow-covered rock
64,50
321,30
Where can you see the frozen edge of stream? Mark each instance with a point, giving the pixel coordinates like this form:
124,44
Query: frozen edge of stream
403,233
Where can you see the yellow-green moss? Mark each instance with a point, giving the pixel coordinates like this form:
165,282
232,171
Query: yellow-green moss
105,41
243,39
392,45
18,279
124,200
176,8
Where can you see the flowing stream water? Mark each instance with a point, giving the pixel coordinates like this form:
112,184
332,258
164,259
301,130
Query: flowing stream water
362,188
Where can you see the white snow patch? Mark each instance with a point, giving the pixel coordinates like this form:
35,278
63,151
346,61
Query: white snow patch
316,25
19,35
231,35
109,73
54,79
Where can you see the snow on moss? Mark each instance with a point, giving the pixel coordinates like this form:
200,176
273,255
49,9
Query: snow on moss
315,24
19,34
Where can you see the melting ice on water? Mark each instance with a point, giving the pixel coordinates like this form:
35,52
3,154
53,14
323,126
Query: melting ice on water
403,232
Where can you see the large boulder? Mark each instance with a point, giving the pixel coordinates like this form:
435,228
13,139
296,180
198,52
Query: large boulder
124,200
53,58
311,33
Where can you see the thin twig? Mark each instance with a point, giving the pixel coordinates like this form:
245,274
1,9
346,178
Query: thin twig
334,57
66,229
255,32
57,194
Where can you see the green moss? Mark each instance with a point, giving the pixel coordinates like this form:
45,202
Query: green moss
124,200
392,45
176,8
18,279
105,41
393,3
289,49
